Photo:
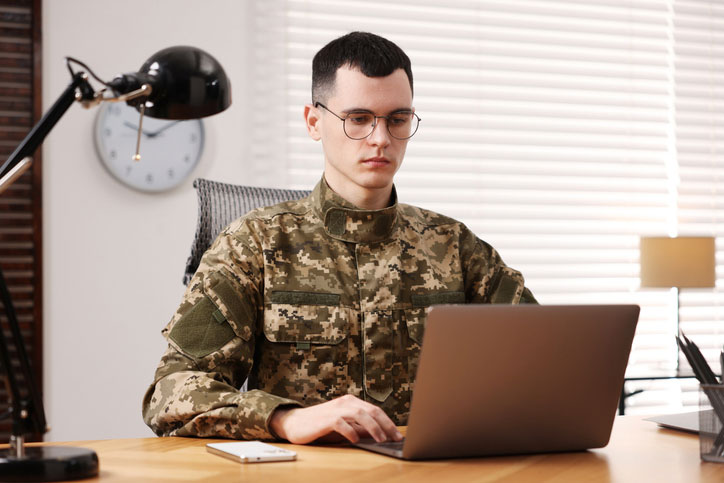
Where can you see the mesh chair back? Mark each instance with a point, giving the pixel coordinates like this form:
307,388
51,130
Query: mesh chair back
222,203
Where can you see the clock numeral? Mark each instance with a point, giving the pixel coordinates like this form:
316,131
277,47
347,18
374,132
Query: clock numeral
171,173
194,138
149,178
129,169
107,132
187,158
113,154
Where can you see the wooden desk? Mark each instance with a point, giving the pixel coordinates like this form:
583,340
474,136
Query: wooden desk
639,451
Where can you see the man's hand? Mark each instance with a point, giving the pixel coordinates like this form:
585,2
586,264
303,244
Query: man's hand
348,416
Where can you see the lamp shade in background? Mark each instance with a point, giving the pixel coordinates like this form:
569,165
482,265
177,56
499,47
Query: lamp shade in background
186,82
678,262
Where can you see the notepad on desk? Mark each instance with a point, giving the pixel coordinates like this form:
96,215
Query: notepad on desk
688,422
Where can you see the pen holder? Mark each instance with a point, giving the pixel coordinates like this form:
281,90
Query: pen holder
711,429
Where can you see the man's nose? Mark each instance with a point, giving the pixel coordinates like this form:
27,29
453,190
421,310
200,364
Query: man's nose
380,135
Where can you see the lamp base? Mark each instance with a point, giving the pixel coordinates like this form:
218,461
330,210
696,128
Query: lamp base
48,463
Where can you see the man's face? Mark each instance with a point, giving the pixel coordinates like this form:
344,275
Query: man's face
364,168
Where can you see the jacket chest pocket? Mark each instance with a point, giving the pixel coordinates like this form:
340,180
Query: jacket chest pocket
303,351
306,319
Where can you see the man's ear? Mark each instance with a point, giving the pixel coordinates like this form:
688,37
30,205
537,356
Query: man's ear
311,117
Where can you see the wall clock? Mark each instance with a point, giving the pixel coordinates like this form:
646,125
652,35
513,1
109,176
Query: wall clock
170,150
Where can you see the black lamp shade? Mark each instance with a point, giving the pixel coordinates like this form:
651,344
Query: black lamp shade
187,83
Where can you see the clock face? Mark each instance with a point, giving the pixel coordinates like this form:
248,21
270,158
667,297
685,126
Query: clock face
169,149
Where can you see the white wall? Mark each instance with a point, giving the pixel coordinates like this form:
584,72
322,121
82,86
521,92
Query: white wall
114,258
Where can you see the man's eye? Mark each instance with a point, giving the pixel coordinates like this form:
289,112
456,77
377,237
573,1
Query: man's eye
400,119
359,119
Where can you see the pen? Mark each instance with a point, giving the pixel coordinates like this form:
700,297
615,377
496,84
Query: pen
708,373
699,372
707,377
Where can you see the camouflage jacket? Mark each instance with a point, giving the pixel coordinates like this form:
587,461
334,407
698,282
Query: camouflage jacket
311,300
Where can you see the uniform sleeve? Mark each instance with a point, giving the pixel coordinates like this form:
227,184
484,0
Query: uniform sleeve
488,280
211,350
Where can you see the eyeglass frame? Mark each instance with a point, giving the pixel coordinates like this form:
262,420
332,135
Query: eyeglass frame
374,124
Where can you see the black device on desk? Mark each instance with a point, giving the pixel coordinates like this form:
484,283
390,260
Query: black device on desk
513,379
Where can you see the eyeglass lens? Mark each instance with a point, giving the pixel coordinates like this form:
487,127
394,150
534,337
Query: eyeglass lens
400,125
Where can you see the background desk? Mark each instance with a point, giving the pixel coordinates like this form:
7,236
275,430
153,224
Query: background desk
639,451
644,377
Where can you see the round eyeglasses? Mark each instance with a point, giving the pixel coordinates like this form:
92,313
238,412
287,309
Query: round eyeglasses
359,125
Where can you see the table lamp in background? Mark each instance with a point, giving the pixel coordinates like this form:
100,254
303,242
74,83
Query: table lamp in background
679,262
174,83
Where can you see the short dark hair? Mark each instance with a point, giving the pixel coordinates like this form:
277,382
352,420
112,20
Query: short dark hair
373,55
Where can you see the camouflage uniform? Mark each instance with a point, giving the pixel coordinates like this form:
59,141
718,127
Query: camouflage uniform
311,300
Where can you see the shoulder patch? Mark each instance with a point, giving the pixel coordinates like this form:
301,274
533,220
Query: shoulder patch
508,287
202,330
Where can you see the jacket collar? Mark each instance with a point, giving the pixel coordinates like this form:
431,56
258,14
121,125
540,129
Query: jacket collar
344,221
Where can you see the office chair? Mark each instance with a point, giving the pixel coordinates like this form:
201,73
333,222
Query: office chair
222,203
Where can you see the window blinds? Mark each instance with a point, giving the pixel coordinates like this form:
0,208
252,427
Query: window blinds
558,131
699,126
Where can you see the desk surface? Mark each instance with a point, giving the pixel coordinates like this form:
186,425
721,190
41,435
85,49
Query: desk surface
638,451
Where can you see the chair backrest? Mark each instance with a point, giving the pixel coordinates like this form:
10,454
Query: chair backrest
222,203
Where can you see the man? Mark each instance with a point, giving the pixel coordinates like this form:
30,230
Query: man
321,302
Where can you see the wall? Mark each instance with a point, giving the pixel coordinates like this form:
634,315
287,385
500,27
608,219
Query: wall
114,258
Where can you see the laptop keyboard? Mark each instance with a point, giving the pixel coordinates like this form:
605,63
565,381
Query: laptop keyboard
394,445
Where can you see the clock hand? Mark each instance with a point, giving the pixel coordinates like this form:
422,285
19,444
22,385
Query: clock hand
135,128
137,156
156,133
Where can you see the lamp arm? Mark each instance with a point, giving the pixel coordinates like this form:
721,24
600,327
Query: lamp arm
37,135
27,410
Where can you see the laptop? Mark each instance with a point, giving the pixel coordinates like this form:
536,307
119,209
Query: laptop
516,379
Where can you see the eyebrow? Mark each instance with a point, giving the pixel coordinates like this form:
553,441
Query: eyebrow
363,110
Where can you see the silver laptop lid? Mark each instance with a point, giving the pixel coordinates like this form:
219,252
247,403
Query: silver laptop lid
501,379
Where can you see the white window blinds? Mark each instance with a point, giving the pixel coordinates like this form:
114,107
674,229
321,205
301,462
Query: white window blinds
558,131
699,126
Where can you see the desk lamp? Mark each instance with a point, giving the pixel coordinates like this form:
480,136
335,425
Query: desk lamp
681,262
175,83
